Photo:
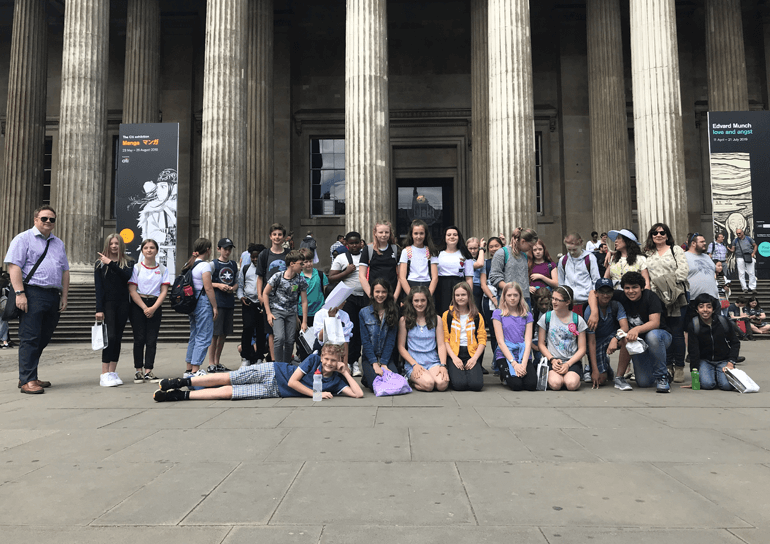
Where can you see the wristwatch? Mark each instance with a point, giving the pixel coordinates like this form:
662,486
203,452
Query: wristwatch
19,292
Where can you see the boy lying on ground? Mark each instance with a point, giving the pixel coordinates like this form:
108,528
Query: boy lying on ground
268,380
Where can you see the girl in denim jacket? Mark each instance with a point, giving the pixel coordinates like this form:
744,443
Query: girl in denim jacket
379,325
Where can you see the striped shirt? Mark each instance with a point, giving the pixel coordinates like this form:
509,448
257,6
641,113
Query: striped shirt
27,247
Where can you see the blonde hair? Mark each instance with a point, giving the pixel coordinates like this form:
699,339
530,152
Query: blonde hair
391,238
123,259
521,310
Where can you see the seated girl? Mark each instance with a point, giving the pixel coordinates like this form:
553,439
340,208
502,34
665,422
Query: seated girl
268,380
512,323
562,340
465,338
379,324
421,342
758,322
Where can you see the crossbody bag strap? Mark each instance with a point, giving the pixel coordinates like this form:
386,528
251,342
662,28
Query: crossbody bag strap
37,264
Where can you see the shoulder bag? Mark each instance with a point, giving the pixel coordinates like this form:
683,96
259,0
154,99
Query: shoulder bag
11,310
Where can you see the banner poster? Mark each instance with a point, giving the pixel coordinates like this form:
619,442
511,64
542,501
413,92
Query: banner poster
739,150
146,188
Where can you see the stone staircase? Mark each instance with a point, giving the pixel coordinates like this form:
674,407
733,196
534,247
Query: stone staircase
75,324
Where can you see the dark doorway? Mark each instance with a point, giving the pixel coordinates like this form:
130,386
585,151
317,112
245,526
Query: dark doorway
429,199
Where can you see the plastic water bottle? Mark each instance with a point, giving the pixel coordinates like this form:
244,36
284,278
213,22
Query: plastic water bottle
695,379
317,385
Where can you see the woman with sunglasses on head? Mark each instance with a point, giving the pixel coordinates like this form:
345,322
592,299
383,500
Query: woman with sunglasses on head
668,269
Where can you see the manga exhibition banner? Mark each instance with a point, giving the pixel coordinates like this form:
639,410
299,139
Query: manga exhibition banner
739,148
146,188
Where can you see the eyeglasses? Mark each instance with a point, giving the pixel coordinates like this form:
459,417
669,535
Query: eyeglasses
46,219
659,233
557,300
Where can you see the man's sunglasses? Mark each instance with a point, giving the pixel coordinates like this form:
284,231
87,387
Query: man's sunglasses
46,219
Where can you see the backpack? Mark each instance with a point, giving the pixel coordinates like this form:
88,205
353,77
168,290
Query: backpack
450,318
722,319
587,260
182,294
409,259
370,252
310,244
548,322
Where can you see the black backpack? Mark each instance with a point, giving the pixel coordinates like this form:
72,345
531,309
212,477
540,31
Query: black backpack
182,295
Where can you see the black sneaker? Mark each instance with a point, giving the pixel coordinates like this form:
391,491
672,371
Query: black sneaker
169,396
172,383
662,386
217,368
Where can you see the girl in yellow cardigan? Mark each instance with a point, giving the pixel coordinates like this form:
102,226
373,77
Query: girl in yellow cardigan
465,337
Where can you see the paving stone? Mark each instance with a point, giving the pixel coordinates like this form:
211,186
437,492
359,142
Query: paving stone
274,535
456,534
362,416
760,535
553,445
704,418
329,443
527,417
594,535
167,419
113,535
247,418
467,444
428,417
34,417
612,418
12,438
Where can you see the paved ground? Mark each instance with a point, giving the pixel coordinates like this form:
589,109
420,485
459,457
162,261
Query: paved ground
87,464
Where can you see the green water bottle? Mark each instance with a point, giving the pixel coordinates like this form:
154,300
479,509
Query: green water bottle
695,379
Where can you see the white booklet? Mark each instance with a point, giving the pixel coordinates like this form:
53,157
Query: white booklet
338,296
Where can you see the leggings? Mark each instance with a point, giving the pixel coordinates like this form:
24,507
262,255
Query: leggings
146,331
115,317
465,380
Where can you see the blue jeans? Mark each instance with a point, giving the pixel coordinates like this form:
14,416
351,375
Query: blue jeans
201,331
284,331
36,328
711,375
3,330
650,366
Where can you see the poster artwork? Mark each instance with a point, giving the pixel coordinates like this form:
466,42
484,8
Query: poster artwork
731,196
156,215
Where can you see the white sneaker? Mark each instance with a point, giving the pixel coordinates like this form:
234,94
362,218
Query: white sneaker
356,370
117,379
106,380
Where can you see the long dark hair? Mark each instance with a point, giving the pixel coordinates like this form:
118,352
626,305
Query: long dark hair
391,310
649,245
428,239
632,250
472,309
410,314
201,246
461,247
546,256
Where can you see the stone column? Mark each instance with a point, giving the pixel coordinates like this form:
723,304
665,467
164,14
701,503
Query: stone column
725,56
141,86
83,131
511,118
223,143
610,180
259,176
658,140
479,188
22,181
368,188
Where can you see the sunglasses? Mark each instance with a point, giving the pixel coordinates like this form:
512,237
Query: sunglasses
693,237
659,233
46,219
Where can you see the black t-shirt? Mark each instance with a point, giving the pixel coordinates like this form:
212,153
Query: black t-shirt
381,266
269,263
638,312
226,273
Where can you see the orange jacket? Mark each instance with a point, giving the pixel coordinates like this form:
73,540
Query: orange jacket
474,337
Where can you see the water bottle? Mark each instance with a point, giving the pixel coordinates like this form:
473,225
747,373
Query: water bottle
695,379
318,386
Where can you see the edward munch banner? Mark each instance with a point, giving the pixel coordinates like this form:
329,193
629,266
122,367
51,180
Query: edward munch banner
146,188
739,147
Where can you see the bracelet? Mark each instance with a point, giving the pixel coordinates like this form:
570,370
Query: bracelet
549,360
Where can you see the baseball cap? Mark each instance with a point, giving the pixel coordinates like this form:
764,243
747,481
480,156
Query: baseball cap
625,232
225,243
603,282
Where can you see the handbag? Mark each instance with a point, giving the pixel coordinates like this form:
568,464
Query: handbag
99,336
390,384
11,311
333,332
741,381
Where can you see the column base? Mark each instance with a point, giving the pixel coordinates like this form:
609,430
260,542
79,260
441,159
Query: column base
81,274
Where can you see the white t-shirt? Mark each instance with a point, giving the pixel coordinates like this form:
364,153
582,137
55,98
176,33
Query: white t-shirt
342,315
149,280
419,270
199,269
463,332
591,246
352,281
245,258
454,264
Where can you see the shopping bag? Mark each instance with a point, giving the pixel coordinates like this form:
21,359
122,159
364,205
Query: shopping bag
333,332
741,381
307,340
99,336
390,384
542,374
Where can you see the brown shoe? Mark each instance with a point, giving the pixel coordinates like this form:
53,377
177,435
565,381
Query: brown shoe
39,382
32,388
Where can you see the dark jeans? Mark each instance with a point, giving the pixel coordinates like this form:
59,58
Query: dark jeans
528,382
115,317
465,380
370,374
36,328
253,327
146,332
675,352
353,305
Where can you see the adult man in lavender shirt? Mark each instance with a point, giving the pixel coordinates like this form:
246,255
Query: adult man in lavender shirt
43,298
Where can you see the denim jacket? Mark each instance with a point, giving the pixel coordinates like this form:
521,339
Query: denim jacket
377,339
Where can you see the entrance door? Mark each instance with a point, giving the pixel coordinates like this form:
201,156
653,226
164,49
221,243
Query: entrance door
429,199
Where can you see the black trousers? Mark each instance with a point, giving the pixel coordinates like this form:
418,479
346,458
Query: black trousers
369,374
146,332
353,305
253,327
115,317
527,383
36,328
465,380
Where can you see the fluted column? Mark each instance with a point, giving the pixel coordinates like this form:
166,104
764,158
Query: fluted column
610,180
141,87
511,118
83,129
658,140
259,140
725,56
22,181
368,190
223,143
479,189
